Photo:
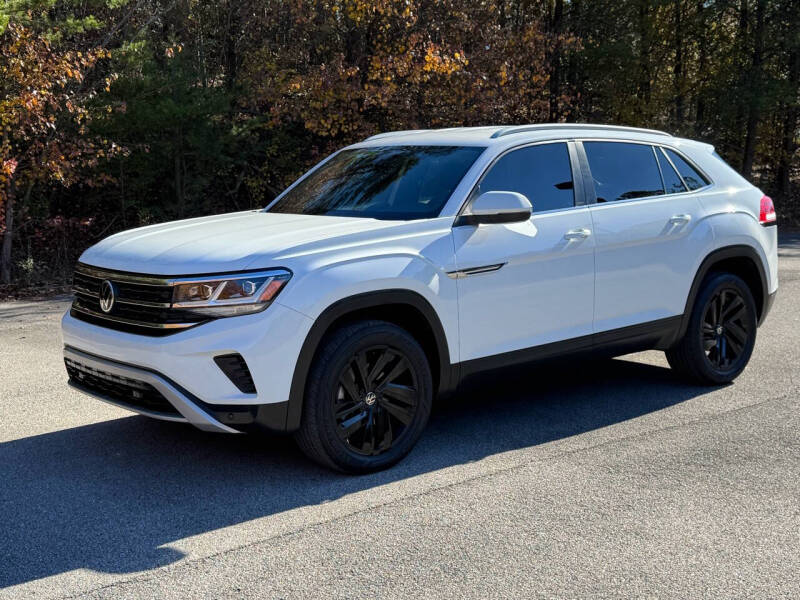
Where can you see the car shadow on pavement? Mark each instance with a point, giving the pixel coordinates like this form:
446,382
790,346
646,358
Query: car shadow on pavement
107,496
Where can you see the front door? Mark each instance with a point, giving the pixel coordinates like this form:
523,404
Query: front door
526,284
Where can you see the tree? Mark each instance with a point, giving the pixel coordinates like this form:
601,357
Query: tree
42,102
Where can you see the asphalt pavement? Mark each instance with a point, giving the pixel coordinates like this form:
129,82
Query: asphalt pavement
593,478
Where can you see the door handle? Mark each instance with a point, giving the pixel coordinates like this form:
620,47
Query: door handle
577,234
680,219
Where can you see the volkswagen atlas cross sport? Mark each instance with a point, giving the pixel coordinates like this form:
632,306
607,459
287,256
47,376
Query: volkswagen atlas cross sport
400,266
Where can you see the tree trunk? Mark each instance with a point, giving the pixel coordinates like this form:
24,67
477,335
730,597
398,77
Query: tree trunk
678,71
791,112
178,173
555,61
644,62
753,111
5,251
701,32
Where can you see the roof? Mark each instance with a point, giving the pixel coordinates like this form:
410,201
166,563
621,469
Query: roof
500,134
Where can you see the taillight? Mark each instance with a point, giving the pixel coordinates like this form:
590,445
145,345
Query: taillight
767,215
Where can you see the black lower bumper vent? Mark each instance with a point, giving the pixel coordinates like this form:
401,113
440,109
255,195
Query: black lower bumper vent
234,366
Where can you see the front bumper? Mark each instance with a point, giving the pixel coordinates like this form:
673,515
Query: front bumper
181,367
152,394
269,342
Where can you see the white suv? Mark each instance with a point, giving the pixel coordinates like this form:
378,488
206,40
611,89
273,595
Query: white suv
401,266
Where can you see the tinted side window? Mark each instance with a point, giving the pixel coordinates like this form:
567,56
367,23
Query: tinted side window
690,175
623,171
542,173
672,182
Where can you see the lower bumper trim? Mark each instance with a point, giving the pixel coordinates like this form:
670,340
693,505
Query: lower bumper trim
189,410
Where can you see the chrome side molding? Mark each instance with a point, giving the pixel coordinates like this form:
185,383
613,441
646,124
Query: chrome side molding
462,273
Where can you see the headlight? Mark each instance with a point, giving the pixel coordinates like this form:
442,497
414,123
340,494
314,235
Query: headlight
229,295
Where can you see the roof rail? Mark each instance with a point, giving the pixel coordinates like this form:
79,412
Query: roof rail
524,128
379,136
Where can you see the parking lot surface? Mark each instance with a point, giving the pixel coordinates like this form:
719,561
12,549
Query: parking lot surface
593,478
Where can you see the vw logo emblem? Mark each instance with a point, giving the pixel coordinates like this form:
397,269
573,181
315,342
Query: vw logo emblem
106,296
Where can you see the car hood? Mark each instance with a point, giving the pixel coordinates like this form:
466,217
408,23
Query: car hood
222,243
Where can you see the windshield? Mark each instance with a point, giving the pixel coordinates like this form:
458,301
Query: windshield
388,182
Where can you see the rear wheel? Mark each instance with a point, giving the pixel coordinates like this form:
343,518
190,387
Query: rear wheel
721,333
368,398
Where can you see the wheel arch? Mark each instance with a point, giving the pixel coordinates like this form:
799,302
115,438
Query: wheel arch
403,307
741,260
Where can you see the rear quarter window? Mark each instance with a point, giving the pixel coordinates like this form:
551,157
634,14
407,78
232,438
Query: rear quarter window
693,179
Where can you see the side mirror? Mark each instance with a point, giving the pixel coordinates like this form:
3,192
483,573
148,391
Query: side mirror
496,207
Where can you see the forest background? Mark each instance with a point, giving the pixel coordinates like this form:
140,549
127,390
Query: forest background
120,113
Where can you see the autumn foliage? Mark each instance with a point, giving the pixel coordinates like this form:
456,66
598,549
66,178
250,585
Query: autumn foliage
119,113
44,120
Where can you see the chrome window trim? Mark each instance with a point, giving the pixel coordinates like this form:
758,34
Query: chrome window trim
575,185
705,188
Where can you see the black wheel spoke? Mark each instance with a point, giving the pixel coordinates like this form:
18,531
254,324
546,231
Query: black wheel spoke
400,411
735,307
403,393
369,434
388,435
352,425
360,362
377,369
400,367
345,409
347,382
734,344
737,316
737,332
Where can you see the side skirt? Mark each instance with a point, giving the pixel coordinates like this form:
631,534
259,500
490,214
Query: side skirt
660,335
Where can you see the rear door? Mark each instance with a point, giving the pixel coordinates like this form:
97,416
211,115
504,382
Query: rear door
526,284
647,233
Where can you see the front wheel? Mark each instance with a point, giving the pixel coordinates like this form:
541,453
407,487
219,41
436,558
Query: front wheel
721,333
368,398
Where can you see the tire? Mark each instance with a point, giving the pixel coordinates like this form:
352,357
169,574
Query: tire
721,334
382,427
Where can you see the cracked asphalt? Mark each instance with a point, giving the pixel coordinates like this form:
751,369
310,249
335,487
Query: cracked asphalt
593,478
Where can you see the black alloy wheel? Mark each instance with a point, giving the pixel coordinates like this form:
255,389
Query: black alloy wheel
368,397
725,328
720,334
375,400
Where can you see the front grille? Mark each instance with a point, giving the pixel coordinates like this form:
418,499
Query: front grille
142,304
122,389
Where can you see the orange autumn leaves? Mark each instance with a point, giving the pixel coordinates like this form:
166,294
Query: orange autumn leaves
44,110
358,67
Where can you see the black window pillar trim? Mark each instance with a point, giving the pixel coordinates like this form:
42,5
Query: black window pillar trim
590,196
579,194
